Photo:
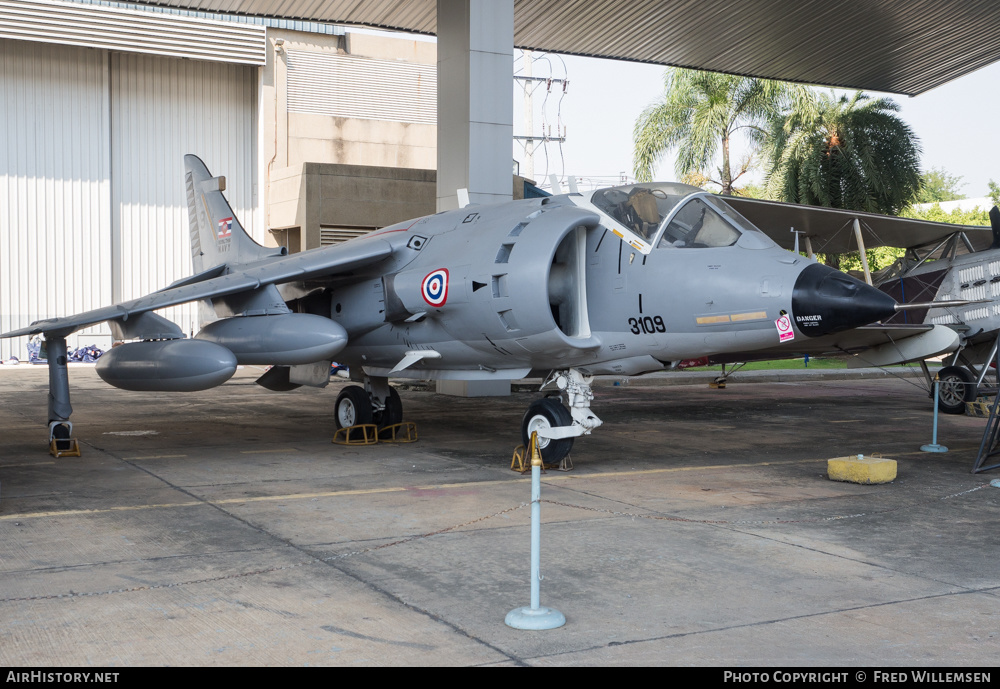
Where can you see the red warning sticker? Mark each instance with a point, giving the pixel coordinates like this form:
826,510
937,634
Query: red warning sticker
784,325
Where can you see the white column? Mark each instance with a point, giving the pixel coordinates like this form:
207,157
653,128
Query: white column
475,100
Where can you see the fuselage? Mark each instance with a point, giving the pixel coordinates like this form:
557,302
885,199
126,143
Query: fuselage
604,283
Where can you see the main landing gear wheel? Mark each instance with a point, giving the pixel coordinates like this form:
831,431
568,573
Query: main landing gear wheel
543,414
957,387
353,407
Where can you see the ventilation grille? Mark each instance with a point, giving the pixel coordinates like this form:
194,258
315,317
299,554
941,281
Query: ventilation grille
361,87
974,292
970,274
976,314
329,236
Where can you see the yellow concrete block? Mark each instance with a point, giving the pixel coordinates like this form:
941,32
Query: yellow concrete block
861,469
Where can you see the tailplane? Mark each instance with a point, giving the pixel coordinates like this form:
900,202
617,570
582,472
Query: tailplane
217,237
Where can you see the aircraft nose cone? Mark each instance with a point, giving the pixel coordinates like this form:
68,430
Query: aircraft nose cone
826,301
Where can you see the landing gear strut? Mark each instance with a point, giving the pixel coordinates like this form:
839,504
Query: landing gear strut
61,442
557,426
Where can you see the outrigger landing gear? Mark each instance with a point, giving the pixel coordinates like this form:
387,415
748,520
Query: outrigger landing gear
61,442
557,426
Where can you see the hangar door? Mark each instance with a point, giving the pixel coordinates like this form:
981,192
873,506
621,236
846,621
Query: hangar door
92,206
55,196
161,109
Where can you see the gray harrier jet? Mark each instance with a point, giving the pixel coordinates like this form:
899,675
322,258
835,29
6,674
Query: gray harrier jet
629,280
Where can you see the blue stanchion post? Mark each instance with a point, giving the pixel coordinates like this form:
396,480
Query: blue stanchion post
535,617
934,447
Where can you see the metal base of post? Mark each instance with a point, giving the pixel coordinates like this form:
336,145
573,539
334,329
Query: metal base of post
534,619
933,447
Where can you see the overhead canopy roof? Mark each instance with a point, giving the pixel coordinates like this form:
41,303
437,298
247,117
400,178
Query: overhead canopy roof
898,46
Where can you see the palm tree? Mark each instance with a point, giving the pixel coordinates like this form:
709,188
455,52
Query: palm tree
699,114
848,152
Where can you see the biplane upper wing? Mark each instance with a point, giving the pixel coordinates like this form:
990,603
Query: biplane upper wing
831,230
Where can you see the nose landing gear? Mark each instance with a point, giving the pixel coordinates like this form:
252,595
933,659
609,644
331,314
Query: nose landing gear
558,421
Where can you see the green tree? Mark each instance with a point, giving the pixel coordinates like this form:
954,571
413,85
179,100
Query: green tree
848,152
995,193
936,185
752,191
699,114
976,216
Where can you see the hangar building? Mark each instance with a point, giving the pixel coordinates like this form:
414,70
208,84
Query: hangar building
313,128
98,101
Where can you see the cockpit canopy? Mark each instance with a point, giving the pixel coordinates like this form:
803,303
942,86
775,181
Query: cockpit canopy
673,215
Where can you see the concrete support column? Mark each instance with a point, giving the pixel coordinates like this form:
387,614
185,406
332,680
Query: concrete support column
475,100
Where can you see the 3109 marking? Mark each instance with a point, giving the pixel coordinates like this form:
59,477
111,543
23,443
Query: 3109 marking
647,325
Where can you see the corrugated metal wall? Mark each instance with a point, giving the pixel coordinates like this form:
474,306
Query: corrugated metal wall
55,200
114,28
161,109
92,205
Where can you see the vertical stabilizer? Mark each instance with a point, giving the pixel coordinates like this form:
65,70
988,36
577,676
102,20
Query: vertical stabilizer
217,237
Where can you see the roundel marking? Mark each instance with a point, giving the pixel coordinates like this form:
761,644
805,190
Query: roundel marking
434,288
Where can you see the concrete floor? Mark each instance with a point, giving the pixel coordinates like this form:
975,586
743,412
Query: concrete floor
698,528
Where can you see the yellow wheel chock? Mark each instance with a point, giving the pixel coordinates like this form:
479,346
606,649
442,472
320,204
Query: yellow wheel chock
405,432
980,408
68,447
369,434
521,461
362,434
61,440
517,461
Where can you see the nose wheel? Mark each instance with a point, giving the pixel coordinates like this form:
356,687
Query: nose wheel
542,416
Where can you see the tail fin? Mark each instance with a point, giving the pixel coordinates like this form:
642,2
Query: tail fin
217,237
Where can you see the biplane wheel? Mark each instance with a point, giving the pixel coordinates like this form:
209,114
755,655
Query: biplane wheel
547,413
393,412
956,388
353,407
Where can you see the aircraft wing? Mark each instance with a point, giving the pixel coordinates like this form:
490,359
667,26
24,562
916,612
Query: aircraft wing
869,345
831,230
330,261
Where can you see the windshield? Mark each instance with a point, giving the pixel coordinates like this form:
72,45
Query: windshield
641,207
703,221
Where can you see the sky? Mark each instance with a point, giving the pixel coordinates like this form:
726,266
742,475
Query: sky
957,124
